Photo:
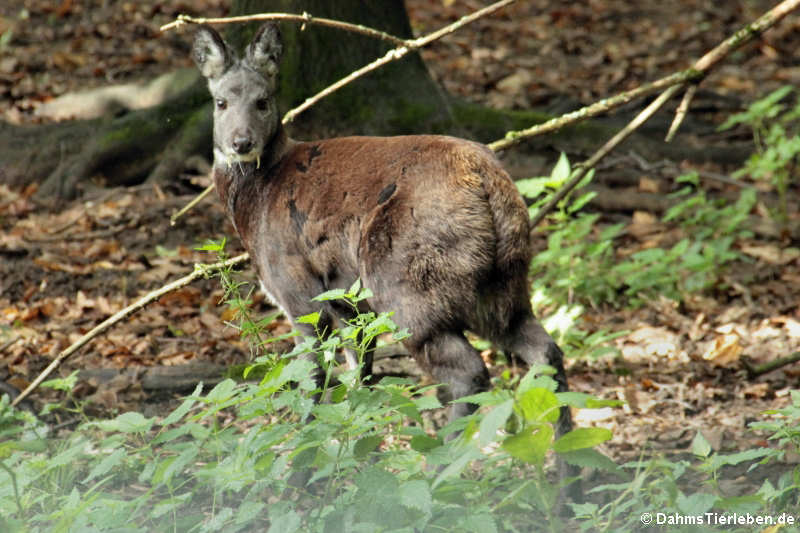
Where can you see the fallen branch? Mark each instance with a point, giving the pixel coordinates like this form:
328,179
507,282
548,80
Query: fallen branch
305,18
404,47
200,270
753,371
698,71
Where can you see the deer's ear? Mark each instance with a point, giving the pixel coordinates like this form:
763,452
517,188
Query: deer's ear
264,53
210,53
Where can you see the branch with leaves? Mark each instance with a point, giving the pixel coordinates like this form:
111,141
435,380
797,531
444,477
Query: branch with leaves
200,270
404,46
677,81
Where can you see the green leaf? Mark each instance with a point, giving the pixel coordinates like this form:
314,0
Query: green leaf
700,446
212,246
222,391
695,504
426,402
561,171
365,445
288,522
537,376
355,287
584,510
589,457
582,200
334,413
483,522
311,318
363,294
532,187
493,421
416,494
539,405
108,462
531,444
131,422
580,438
424,443
457,466
333,294
752,454
184,408
249,511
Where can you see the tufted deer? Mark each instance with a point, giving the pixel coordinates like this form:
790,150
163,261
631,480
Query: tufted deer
432,224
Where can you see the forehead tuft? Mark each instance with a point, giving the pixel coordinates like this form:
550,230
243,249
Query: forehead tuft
241,80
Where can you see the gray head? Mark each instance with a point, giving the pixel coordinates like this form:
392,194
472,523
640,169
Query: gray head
245,110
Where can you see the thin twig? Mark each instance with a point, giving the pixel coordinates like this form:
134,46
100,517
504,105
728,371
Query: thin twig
701,68
680,114
305,18
200,270
196,200
393,55
612,143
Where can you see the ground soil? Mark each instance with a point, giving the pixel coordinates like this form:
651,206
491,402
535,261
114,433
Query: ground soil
677,366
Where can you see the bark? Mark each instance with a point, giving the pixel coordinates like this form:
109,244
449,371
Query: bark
398,98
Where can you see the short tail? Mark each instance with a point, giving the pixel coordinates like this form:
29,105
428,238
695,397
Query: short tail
509,215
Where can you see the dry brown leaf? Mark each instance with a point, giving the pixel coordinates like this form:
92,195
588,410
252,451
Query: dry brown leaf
724,351
644,224
649,185
757,390
771,253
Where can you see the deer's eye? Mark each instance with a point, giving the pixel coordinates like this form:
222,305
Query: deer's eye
221,103
261,104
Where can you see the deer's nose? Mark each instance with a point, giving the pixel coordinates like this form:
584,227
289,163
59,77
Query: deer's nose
242,145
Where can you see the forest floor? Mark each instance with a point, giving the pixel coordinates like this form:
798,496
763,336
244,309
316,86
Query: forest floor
678,366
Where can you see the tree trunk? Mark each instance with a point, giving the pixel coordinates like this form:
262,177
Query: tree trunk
400,97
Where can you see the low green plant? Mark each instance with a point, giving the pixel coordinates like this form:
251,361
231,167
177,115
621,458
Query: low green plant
783,428
250,328
695,262
265,456
689,489
572,270
580,264
774,124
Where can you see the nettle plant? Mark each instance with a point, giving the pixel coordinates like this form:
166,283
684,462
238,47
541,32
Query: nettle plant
580,264
774,124
264,455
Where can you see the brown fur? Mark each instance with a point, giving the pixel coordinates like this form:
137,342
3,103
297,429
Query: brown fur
433,225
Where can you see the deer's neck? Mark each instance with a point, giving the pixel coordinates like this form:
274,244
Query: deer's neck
239,184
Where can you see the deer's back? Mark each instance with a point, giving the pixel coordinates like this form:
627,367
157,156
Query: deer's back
433,215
